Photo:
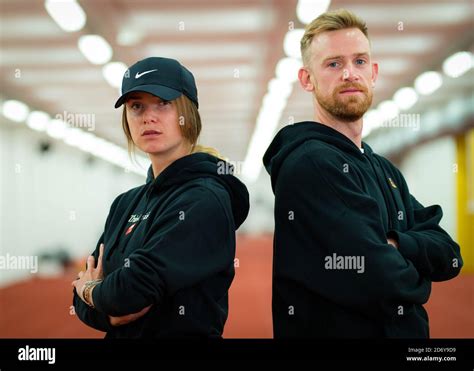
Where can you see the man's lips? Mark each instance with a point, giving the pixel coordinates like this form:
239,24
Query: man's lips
151,132
346,91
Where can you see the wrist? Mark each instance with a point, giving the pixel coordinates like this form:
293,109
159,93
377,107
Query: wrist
87,291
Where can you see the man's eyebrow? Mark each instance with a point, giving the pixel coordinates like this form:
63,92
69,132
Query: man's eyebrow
336,57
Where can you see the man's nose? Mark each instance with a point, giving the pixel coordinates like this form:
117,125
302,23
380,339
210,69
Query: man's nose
348,74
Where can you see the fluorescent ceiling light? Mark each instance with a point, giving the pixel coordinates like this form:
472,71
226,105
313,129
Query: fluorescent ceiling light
113,72
68,14
458,64
307,10
291,43
57,129
15,110
281,87
405,98
388,110
38,120
372,120
428,82
267,121
129,37
95,48
287,69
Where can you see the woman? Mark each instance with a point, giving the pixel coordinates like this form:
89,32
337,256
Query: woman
165,261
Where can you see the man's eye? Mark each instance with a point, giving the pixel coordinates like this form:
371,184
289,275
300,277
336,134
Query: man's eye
361,61
333,64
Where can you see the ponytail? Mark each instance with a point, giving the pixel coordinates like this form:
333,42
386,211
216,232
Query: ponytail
209,150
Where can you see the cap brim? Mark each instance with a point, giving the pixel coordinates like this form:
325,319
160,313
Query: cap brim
160,91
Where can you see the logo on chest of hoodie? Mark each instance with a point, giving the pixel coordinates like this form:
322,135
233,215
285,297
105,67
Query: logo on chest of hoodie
392,183
135,218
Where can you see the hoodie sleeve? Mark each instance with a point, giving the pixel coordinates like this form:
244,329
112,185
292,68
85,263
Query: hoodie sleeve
193,239
321,213
90,316
425,243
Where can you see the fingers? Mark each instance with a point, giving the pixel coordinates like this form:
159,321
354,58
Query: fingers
101,254
114,321
144,310
135,316
90,263
99,260
79,276
123,320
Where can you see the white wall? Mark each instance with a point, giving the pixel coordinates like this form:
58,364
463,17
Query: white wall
50,200
428,170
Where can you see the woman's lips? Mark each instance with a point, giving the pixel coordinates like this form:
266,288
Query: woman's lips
148,133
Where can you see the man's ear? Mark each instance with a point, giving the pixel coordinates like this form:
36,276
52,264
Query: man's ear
305,79
375,73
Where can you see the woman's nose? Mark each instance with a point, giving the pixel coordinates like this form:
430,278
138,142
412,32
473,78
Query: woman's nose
149,116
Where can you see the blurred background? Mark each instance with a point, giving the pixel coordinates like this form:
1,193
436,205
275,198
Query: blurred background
63,153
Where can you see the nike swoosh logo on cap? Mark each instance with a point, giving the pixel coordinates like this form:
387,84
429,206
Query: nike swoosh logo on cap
143,73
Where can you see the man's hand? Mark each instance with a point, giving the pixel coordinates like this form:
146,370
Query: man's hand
391,241
123,320
90,274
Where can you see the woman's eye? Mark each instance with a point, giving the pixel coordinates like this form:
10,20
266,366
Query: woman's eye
165,102
135,106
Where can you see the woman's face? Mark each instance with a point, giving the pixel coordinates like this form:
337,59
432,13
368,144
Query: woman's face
153,124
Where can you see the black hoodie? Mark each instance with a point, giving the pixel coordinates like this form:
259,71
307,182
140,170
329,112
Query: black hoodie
170,243
334,274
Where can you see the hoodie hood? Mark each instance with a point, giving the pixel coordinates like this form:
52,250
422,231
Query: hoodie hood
203,165
292,136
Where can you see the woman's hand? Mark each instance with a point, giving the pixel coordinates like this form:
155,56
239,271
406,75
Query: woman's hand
90,274
392,242
123,320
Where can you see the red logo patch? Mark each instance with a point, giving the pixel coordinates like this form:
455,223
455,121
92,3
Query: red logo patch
130,228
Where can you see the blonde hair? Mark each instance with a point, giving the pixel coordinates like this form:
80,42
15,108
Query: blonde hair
330,21
189,121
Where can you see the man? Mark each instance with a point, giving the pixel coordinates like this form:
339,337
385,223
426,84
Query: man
354,252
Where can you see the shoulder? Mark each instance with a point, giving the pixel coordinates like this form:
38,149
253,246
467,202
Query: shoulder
313,155
126,197
204,193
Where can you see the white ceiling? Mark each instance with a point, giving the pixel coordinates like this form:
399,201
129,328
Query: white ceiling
232,48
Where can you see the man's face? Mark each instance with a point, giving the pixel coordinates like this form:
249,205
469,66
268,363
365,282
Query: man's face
342,73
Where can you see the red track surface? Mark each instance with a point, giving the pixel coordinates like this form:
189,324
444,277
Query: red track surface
41,308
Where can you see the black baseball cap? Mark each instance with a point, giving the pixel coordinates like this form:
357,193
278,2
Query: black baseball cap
163,77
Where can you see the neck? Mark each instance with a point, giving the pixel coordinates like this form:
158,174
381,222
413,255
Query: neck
351,129
160,161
